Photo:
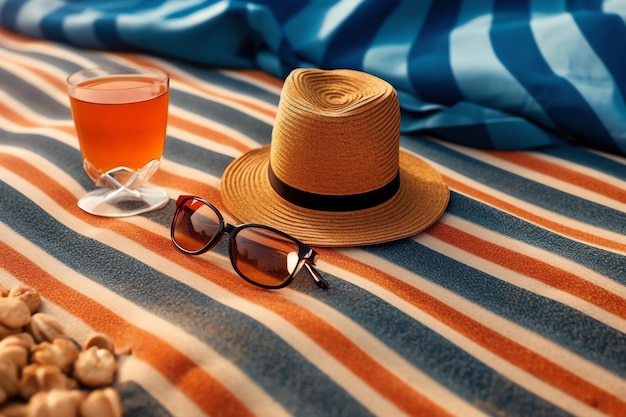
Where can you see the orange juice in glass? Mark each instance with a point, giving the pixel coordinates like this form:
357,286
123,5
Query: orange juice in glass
120,115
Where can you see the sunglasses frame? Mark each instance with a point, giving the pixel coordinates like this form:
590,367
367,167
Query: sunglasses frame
306,255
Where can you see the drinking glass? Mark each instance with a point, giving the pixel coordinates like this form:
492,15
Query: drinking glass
120,115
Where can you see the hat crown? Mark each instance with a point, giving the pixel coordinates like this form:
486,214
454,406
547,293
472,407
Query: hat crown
336,133
334,174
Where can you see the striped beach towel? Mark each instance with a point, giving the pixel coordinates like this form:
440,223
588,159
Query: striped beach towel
512,304
495,74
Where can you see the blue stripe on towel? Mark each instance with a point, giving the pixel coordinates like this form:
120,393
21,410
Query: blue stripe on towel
262,355
232,83
472,55
587,158
65,157
193,156
558,322
604,262
51,25
229,116
136,400
430,70
350,42
597,30
428,63
8,13
512,28
265,357
17,88
529,191
391,47
438,357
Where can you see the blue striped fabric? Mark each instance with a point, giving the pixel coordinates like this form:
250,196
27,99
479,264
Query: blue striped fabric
497,74
512,304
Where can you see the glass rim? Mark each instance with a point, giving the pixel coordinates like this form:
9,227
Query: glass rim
79,76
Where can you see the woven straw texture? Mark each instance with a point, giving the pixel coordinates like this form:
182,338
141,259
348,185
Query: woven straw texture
336,134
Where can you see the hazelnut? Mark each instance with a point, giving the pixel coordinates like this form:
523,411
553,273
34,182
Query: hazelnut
36,377
95,367
17,348
8,379
102,403
8,331
45,327
14,313
38,364
54,403
21,339
16,354
61,352
101,341
27,295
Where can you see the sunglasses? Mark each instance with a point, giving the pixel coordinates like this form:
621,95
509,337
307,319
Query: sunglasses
260,254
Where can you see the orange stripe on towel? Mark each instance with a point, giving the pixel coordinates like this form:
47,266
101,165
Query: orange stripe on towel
563,173
531,267
212,92
27,40
15,117
208,393
325,335
56,82
189,186
533,218
261,76
203,389
489,339
318,330
12,115
206,132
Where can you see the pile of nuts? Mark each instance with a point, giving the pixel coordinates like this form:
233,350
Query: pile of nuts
43,372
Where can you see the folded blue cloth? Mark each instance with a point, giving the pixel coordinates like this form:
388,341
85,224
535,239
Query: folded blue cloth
503,74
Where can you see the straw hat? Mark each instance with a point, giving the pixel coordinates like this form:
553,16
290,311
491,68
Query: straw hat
334,174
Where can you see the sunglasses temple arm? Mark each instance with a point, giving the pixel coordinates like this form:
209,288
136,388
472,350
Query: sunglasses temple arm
319,280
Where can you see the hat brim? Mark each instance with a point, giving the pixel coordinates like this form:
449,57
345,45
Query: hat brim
422,198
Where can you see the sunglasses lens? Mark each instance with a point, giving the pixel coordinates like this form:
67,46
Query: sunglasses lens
264,256
195,226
